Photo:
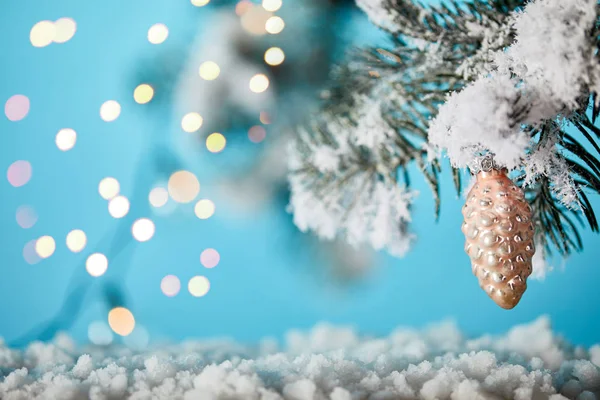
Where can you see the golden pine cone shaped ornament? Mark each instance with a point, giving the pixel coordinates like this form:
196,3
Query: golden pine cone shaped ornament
499,235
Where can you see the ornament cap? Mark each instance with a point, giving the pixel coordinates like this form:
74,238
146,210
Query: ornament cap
484,163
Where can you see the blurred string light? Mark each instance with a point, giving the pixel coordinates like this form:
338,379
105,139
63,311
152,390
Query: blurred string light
204,209
265,118
215,142
42,33
143,93
65,139
158,197
109,188
96,264
16,107
210,258
143,229
257,134
274,56
45,246
191,122
19,173
118,207
76,240
158,33
274,25
29,253
64,30
200,3
110,110
209,70
272,5
254,19
183,186
170,285
198,286
259,83
26,217
121,321
99,333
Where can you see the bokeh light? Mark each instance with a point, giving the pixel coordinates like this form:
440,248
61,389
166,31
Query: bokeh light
170,285
16,107
204,209
45,246
242,7
26,216
118,207
143,93
96,264
259,83
158,197
110,110
210,258
274,25
209,70
19,173
121,321
143,229
99,333
158,33
198,286
65,29
76,240
272,5
42,33
65,139
108,188
215,142
29,253
274,56
265,118
200,3
183,186
191,122
254,19
257,134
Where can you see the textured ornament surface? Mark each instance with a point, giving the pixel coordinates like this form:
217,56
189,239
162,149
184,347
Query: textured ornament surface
499,236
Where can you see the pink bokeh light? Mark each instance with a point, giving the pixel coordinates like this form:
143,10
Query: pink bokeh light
17,107
210,258
26,217
19,173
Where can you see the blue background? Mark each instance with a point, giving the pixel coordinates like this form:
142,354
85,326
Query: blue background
261,286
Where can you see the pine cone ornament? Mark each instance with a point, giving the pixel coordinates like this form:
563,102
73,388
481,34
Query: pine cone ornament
499,235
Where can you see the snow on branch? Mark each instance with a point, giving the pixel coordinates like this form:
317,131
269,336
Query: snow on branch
528,362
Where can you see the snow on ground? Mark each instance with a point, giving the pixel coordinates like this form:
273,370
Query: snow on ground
528,362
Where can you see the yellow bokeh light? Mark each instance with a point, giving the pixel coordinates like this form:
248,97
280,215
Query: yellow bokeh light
65,29
198,286
200,3
158,197
274,56
42,33
274,25
143,229
143,93
158,33
118,207
265,118
272,5
259,83
96,264
209,70
191,122
121,321
110,110
183,186
65,139
215,142
45,246
108,188
204,209
76,240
